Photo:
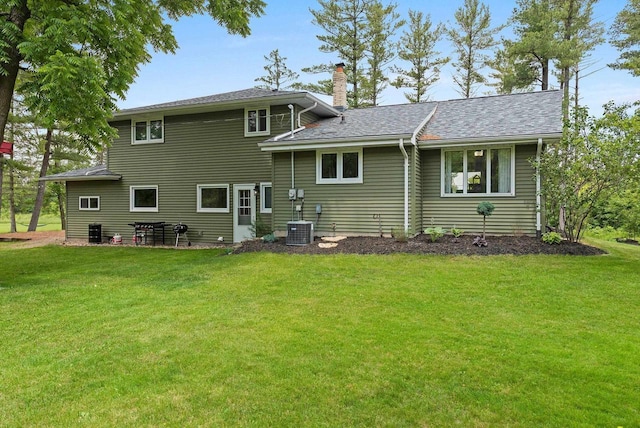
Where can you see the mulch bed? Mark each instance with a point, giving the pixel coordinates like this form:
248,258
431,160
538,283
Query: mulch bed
421,244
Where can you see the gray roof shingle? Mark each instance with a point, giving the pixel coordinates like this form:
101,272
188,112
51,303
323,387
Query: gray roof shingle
98,172
534,113
245,94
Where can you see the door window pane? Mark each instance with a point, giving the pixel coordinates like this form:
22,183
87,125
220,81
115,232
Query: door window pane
244,207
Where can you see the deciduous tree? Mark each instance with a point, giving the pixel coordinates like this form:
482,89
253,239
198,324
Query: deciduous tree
81,56
595,158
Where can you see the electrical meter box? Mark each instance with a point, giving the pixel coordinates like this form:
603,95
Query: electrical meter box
292,194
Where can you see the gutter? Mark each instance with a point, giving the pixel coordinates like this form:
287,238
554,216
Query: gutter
293,132
414,136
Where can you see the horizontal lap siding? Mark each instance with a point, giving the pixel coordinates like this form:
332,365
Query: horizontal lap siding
207,148
512,215
350,206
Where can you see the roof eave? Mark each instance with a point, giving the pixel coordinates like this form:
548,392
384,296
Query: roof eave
304,99
513,139
287,145
83,178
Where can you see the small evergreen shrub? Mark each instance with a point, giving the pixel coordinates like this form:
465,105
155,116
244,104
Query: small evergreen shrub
269,238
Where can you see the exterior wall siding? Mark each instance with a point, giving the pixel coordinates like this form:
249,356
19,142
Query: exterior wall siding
207,148
512,215
350,206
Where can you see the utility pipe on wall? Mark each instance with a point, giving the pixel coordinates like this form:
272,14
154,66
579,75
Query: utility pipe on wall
406,185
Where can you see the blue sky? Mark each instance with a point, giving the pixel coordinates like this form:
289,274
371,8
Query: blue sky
209,61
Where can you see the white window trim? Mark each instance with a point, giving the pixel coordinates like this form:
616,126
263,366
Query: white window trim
148,140
89,203
263,209
132,190
339,179
464,194
199,207
248,133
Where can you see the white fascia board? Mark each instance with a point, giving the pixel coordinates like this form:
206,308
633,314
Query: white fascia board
86,178
280,146
487,141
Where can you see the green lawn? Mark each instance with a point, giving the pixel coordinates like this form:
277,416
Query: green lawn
105,336
46,222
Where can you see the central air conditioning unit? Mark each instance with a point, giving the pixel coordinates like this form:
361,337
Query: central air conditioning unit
299,232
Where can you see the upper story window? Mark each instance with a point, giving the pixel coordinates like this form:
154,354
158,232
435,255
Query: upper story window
479,171
148,131
339,166
257,121
89,203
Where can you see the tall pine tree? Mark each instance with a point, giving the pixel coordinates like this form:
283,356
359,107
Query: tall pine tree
471,37
417,47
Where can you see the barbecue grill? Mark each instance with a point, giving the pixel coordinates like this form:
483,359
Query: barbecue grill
181,231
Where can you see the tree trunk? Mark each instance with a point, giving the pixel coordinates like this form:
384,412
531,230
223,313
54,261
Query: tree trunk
63,216
545,74
1,181
12,200
18,15
33,224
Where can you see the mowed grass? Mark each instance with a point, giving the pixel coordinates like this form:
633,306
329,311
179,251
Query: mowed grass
104,336
46,222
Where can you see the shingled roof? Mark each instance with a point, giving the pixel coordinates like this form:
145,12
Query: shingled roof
99,172
242,97
489,118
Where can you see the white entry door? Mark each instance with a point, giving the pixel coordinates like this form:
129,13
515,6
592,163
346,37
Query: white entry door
244,211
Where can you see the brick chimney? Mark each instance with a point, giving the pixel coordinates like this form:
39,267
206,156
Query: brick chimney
339,88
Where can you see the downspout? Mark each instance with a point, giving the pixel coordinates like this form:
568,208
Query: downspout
538,190
293,132
406,185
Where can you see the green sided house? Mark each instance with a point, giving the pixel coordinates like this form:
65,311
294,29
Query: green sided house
219,163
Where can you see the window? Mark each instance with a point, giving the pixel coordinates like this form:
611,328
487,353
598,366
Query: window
343,166
265,198
89,203
256,122
213,198
479,171
148,131
143,198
